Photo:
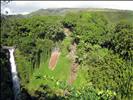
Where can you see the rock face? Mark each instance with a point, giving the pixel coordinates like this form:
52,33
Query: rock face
5,79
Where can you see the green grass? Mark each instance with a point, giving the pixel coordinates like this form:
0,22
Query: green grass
80,79
60,73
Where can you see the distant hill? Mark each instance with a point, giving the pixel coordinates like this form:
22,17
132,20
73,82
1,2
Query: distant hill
62,11
112,14
53,11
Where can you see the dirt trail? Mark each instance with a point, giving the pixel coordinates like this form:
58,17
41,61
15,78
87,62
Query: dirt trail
67,31
74,66
53,59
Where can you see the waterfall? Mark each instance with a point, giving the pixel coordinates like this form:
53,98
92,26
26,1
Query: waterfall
15,79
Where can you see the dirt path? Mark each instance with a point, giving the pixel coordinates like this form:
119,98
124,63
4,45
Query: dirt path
53,59
74,66
67,31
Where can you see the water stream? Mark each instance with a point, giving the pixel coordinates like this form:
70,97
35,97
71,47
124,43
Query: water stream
15,79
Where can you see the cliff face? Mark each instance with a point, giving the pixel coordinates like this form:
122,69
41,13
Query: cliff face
5,76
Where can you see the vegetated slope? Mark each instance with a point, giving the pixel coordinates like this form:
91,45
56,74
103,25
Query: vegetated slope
103,52
61,72
119,15
63,11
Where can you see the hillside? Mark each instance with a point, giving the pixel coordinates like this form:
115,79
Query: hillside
62,11
112,14
70,54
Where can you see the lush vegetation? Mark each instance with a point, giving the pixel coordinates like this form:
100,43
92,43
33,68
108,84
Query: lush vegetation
104,54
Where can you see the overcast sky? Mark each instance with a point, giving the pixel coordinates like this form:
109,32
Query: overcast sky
25,7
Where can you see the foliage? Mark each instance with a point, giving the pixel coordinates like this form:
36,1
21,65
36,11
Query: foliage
104,52
122,40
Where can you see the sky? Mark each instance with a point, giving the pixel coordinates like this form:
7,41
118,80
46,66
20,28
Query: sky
25,7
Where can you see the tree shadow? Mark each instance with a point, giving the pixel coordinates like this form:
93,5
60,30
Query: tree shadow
44,92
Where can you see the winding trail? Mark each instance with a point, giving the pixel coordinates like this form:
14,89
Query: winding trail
74,66
72,56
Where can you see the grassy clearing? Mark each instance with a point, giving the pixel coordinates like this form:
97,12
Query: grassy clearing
80,79
44,75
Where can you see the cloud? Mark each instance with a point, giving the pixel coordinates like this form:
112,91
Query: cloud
24,7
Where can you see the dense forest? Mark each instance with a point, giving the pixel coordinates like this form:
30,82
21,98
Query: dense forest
102,60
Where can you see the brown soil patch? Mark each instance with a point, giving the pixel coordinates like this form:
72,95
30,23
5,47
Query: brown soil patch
53,60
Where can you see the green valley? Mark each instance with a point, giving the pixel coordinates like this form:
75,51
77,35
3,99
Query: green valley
96,54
